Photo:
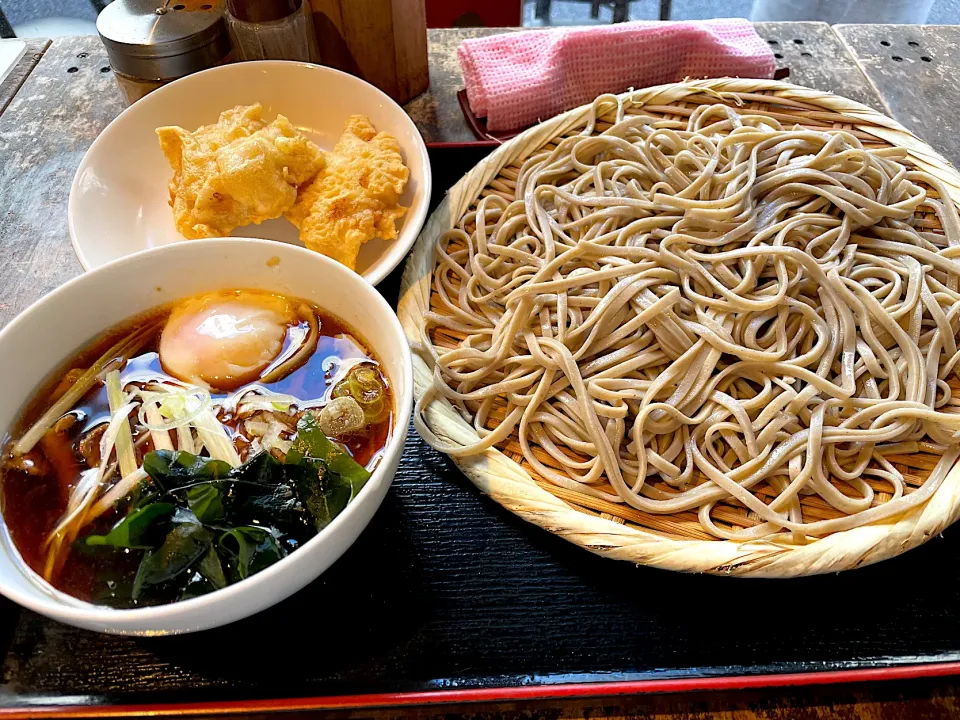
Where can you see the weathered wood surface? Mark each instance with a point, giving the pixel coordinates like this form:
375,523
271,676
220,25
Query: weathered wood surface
12,82
45,130
818,60
915,69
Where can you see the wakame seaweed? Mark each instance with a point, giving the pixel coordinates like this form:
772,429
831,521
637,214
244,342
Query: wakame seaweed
202,525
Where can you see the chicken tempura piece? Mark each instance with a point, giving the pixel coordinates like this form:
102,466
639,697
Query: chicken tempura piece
356,197
237,171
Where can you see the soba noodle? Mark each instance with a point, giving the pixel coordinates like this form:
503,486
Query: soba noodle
688,311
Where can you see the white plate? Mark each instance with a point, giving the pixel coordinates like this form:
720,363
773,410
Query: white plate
119,203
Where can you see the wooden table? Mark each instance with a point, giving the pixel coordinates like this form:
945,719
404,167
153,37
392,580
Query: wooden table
63,95
914,69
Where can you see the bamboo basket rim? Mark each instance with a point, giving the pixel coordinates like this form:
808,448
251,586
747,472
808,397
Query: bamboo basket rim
510,485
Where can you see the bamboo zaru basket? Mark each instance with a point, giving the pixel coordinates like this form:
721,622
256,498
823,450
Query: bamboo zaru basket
616,530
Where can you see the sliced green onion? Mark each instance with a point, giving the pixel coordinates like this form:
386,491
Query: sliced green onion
172,407
267,401
161,438
89,487
126,457
123,487
185,440
372,411
367,381
180,406
215,438
123,350
364,385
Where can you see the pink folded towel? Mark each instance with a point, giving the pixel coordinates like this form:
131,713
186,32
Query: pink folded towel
517,79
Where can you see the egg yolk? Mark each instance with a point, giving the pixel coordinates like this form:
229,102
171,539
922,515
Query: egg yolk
224,340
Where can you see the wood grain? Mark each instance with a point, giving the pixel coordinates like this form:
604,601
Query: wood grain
818,59
410,50
382,41
914,69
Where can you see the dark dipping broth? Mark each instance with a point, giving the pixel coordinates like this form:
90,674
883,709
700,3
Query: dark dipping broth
194,524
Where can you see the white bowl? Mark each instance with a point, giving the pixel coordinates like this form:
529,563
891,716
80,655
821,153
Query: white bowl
46,335
119,202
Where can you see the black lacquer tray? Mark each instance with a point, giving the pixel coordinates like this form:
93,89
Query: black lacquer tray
447,597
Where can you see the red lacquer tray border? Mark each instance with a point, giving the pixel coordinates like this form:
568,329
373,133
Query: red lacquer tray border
490,695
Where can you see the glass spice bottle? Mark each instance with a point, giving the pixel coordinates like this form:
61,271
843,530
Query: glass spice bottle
272,30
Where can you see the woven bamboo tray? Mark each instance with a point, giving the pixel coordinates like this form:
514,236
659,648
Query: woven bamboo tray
677,542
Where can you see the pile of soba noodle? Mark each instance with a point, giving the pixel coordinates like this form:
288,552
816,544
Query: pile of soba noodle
690,311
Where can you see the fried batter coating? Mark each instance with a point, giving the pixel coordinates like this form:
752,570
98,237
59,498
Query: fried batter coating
356,197
237,171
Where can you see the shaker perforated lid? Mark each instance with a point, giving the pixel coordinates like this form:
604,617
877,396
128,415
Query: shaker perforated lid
158,40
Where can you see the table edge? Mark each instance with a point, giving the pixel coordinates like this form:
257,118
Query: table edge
560,691
10,85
